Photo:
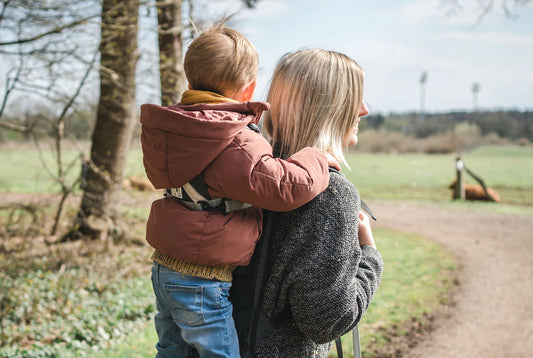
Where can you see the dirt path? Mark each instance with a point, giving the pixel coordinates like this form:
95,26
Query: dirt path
493,315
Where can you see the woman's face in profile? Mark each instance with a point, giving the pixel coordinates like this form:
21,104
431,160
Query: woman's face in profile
351,136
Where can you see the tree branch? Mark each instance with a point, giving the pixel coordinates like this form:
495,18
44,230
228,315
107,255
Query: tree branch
50,32
61,119
10,85
5,5
14,127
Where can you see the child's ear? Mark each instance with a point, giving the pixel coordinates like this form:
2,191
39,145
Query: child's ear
189,86
248,92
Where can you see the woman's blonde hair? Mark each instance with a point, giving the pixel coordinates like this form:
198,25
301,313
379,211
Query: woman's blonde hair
315,97
220,60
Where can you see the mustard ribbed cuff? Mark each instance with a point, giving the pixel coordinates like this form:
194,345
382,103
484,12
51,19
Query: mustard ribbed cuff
220,272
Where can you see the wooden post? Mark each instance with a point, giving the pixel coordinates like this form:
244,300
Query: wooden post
459,192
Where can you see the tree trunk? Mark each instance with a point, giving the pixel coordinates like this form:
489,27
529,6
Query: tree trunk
171,72
116,117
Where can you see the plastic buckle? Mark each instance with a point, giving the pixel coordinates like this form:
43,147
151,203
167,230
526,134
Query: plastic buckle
207,207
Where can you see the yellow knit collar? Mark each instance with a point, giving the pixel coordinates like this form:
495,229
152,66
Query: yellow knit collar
197,97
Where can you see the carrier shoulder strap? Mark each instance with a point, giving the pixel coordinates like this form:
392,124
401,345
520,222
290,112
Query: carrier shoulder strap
356,343
198,184
265,247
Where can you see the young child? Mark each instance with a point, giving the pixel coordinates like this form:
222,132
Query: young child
204,150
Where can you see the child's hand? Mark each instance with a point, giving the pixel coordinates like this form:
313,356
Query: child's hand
332,162
365,231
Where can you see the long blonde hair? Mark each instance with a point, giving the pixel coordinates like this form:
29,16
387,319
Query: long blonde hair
315,97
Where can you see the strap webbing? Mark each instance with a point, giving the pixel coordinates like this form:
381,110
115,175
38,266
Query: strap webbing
338,344
356,343
195,196
265,247
198,184
365,207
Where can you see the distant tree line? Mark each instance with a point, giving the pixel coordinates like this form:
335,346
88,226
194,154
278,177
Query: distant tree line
512,125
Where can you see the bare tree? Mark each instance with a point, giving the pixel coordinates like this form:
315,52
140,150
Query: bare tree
116,116
170,39
509,7
45,46
48,69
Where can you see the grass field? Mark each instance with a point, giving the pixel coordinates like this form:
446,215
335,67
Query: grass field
508,169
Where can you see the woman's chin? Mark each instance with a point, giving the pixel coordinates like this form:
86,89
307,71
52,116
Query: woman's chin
353,140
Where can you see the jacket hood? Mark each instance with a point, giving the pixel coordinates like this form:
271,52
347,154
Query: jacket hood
180,141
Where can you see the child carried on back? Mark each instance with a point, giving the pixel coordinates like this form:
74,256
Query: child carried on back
218,172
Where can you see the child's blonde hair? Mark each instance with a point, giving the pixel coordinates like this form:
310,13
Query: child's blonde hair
221,60
315,97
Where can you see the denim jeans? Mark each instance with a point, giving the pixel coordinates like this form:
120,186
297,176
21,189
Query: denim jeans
193,313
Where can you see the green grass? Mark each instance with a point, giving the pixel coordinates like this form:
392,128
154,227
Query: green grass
508,169
23,170
138,345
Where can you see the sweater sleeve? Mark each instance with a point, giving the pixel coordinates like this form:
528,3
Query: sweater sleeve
247,171
333,279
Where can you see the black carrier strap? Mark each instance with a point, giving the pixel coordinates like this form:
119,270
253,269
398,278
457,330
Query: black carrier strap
254,127
261,277
199,184
365,207
247,291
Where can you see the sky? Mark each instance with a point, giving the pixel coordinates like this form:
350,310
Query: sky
395,41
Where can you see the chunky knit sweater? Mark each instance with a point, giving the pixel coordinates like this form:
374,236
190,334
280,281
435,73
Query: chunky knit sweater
321,281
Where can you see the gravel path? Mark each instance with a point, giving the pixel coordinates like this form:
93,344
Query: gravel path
493,315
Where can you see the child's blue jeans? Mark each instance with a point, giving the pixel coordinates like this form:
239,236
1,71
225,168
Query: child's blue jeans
193,312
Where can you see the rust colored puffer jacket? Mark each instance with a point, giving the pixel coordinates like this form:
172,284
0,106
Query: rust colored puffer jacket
181,141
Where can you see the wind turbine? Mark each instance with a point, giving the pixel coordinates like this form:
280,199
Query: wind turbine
422,80
475,90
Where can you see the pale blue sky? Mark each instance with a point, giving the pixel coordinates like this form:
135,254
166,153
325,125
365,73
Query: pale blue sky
395,41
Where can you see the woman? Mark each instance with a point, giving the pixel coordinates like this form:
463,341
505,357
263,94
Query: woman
324,267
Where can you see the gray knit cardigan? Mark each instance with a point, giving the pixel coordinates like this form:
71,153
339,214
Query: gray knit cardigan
321,281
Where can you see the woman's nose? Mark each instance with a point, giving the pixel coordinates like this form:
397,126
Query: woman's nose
363,111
